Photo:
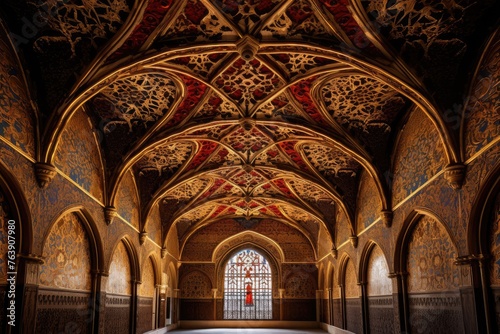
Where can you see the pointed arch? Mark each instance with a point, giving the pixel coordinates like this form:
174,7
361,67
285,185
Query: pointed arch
21,212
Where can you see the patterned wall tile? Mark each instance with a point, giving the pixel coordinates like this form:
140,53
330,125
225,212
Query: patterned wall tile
120,272
368,204
351,281
430,258
300,284
419,156
195,284
127,201
147,286
153,226
324,242
67,256
342,229
78,155
17,124
483,110
378,282
172,242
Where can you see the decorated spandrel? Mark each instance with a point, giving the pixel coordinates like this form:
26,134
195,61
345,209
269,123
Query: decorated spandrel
247,287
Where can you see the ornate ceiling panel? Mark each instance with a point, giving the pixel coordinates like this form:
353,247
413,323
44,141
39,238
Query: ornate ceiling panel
151,19
165,159
299,64
246,14
280,108
247,142
60,38
358,102
248,109
136,101
188,190
435,38
329,161
299,21
125,110
197,23
202,65
248,83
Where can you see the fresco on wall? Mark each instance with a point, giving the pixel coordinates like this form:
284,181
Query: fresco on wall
419,156
16,116
494,234
127,201
67,256
45,205
351,281
4,218
343,229
119,272
379,284
195,285
368,205
430,258
482,114
147,286
78,156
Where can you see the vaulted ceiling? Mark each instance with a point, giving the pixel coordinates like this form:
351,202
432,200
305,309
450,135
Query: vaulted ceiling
247,110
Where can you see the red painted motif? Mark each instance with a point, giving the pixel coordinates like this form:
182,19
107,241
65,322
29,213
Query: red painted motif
204,152
217,184
289,148
153,15
283,187
195,91
342,15
302,93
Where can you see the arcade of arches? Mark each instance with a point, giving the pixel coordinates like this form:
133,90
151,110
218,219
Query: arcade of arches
324,163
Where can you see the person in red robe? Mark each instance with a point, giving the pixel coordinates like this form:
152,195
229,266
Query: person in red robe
249,296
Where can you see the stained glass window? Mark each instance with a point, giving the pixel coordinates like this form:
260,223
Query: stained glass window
247,287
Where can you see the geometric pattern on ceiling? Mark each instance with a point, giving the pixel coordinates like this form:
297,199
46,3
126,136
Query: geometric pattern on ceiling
261,109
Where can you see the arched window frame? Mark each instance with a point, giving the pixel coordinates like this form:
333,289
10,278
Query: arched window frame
248,291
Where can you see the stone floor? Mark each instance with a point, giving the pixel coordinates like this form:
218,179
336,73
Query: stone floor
248,331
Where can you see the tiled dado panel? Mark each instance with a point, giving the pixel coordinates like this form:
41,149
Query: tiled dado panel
381,314
437,313
62,311
337,313
117,314
353,315
144,314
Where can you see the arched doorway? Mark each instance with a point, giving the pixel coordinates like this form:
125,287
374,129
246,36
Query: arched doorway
248,287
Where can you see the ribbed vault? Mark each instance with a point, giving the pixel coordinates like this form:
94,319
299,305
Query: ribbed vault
244,110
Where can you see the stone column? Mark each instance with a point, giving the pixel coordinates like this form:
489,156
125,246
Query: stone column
364,305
